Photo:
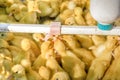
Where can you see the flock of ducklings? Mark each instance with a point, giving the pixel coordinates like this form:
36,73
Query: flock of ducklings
68,12
64,57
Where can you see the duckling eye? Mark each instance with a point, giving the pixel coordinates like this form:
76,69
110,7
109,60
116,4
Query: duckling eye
16,72
57,79
22,0
2,34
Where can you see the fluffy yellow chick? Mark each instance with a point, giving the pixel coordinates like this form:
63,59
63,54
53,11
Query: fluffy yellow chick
3,43
30,73
45,73
85,55
101,63
71,64
19,72
30,45
45,8
53,65
85,41
113,72
6,36
46,52
29,18
60,76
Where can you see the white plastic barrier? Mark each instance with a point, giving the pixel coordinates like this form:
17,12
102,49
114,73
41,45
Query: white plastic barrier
65,29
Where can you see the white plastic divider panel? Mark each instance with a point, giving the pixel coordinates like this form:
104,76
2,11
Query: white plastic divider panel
65,29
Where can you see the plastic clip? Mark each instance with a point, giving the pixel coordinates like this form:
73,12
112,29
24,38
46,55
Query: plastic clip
55,30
